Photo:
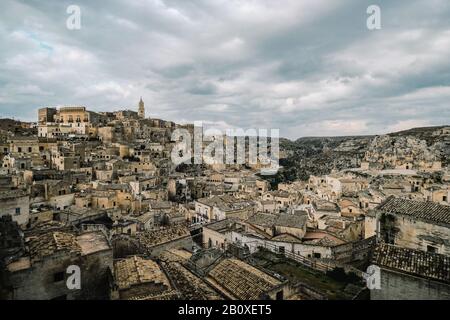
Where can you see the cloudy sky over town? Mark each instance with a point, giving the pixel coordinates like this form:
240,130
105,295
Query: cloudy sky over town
310,68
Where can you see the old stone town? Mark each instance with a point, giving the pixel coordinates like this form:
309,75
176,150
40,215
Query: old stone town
98,190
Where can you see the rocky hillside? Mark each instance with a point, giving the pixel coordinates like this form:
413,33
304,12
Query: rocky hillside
320,155
16,127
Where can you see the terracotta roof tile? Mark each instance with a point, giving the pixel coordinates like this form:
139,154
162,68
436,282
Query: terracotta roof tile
416,262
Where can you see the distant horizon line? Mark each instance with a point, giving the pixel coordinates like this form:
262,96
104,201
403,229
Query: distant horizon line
187,123
292,140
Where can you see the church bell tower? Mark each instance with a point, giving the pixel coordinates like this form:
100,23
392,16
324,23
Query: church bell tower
141,111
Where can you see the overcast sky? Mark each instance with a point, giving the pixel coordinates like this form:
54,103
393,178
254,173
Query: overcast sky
309,68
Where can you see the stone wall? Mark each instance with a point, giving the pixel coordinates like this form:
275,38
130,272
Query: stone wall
38,282
216,239
17,207
418,235
398,286
181,243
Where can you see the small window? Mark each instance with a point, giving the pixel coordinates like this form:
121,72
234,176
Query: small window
432,249
58,277
444,198
17,211
30,149
279,295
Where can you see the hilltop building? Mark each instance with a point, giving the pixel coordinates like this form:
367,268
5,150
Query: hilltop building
141,111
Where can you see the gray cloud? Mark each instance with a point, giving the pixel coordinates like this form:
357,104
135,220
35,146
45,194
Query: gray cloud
306,67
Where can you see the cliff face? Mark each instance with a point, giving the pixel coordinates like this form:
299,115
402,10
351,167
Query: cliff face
416,148
432,142
393,151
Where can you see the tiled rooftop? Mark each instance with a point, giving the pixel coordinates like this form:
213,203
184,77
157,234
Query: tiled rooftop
262,219
283,220
420,263
242,280
322,205
190,286
291,220
226,202
136,270
175,255
92,242
222,225
155,237
423,210
47,244
11,194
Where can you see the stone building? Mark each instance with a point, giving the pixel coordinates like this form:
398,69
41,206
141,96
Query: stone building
24,145
136,278
42,273
11,237
218,234
76,115
14,163
190,286
408,274
420,225
277,224
260,232
237,280
67,120
46,115
141,111
220,207
65,160
157,241
15,203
